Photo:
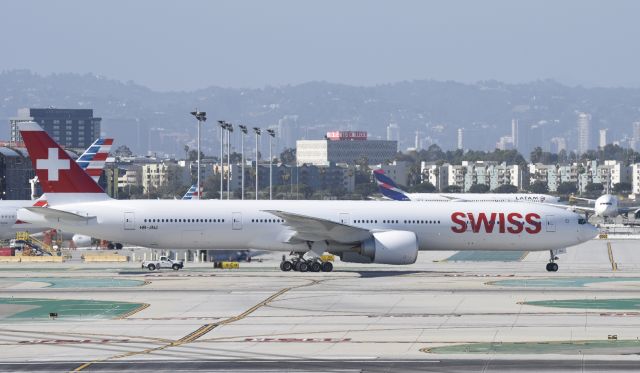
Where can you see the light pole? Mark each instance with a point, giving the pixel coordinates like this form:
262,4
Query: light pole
258,132
229,130
201,116
223,126
244,130
272,134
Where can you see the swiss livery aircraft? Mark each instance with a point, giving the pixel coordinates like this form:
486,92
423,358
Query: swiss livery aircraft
92,161
389,189
357,231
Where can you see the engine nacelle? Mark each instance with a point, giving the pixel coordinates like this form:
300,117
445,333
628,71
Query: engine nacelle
80,240
392,247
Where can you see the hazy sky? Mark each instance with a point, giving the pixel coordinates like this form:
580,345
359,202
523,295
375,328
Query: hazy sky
175,45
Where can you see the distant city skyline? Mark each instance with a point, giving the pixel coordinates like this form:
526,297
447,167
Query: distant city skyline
169,46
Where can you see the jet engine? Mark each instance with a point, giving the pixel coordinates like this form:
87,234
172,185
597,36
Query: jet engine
80,240
391,247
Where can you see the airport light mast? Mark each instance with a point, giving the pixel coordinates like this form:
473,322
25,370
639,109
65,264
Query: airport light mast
258,132
243,132
201,116
272,134
223,126
229,130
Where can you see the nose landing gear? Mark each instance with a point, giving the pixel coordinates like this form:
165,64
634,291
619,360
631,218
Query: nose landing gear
552,266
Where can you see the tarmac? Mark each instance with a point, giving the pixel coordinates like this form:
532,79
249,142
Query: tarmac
446,313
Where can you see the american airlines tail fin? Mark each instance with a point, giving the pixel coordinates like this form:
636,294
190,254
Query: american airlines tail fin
192,193
60,177
388,187
95,157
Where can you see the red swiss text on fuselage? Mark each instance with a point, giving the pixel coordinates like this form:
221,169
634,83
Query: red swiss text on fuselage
497,222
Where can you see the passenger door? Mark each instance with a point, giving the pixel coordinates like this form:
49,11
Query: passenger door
236,221
551,224
345,218
129,221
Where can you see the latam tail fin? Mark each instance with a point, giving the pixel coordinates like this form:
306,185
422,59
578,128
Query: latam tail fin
57,172
95,157
388,187
192,193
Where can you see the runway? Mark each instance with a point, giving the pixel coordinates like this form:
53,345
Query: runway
436,315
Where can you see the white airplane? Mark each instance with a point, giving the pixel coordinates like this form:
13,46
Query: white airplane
357,231
92,161
390,189
605,206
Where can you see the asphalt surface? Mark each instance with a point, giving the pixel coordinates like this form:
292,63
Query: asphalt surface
373,366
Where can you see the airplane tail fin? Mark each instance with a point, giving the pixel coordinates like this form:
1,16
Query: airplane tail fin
95,157
58,174
192,193
388,187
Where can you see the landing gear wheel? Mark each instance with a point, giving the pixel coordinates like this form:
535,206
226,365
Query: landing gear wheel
302,266
286,266
326,267
315,266
552,267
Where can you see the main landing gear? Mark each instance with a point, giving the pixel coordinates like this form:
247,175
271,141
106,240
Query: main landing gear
304,265
552,266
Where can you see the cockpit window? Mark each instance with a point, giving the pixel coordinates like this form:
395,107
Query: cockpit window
582,221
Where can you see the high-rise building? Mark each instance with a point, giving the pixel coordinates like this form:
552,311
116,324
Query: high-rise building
345,147
72,128
393,133
584,129
603,138
558,144
635,135
514,133
460,138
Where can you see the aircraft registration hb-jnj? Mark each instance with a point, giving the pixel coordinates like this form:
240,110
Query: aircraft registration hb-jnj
384,232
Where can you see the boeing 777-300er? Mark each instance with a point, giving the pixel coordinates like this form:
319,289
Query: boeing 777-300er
357,231
390,189
92,161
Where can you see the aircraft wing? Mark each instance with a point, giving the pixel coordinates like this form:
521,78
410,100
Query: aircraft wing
309,228
626,210
574,198
452,198
574,208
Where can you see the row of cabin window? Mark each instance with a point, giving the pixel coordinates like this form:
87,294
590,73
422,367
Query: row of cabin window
267,221
396,221
184,220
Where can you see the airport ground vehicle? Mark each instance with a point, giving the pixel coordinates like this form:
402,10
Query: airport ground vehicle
163,262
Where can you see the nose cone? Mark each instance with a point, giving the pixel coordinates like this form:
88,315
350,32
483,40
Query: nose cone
587,232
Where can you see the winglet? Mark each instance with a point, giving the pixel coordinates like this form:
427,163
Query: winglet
388,187
56,171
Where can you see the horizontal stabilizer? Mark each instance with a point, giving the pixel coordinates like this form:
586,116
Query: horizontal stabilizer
59,215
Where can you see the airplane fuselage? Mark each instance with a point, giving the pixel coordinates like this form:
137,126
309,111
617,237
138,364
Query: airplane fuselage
241,225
